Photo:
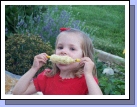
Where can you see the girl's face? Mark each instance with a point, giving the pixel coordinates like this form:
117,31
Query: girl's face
69,44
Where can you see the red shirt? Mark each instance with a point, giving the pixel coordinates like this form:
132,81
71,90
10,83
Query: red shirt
57,86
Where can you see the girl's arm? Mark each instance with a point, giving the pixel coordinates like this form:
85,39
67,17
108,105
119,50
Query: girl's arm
93,88
25,84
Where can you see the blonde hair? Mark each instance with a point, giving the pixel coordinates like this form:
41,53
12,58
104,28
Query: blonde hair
87,49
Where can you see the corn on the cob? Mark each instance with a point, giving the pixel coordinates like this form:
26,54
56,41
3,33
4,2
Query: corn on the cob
62,59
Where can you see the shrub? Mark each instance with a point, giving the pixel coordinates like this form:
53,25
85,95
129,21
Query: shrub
20,51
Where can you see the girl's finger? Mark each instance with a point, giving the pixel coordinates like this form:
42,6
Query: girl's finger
44,54
42,57
41,60
81,64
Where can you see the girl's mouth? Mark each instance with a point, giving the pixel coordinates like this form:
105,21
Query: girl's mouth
62,64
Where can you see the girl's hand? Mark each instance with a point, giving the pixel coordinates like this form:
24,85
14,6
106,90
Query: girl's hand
93,87
39,61
88,65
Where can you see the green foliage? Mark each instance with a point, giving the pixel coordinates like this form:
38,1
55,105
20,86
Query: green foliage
110,84
99,66
13,14
20,51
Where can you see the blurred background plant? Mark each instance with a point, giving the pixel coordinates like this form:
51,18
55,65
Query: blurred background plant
111,84
20,51
15,13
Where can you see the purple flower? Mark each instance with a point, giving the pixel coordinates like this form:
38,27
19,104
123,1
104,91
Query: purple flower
37,19
20,23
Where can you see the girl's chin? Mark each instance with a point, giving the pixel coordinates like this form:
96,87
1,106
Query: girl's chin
63,66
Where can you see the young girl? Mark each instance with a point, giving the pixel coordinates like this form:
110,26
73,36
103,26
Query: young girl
79,78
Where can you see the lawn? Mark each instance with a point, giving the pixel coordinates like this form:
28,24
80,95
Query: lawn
106,23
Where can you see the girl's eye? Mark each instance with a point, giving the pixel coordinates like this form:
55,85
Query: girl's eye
72,49
60,47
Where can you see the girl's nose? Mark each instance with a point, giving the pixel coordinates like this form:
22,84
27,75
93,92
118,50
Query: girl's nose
63,52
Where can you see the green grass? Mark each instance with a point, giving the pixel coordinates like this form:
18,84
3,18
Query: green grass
108,23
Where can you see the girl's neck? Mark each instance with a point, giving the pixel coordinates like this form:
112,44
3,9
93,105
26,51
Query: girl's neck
66,74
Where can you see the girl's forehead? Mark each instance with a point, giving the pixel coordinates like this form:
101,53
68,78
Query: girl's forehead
70,36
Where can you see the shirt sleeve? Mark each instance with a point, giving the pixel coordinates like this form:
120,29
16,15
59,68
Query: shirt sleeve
39,81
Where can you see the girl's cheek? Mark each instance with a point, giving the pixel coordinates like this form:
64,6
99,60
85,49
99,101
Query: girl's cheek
56,52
